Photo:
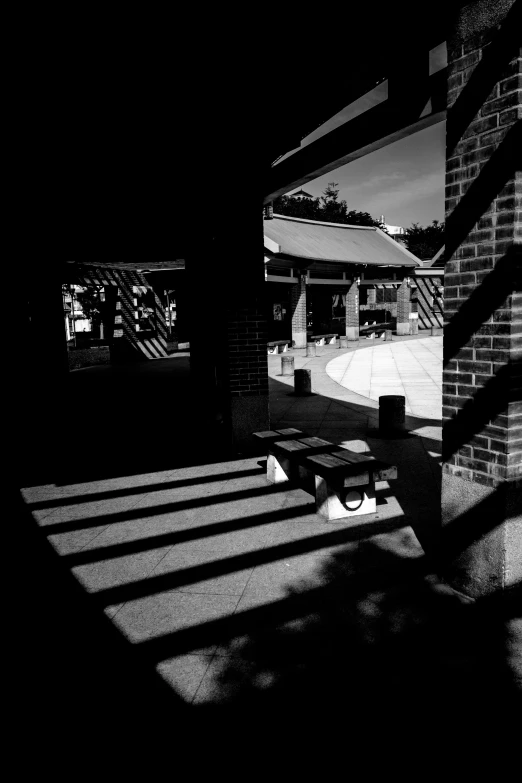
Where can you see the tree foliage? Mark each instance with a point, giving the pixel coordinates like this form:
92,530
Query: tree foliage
91,303
326,208
424,241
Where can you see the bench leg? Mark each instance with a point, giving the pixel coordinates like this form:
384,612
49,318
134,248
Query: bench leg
332,504
278,469
332,340
284,348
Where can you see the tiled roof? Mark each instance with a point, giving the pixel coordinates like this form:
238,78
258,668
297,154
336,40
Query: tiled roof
311,240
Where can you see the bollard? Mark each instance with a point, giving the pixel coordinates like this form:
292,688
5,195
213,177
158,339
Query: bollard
287,365
311,349
392,415
343,341
303,382
436,330
414,326
388,334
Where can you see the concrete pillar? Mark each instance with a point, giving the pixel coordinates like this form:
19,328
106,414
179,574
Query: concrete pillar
481,539
42,377
352,312
403,308
298,304
303,382
287,365
392,414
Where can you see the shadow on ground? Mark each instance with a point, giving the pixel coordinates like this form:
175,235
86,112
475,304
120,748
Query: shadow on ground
370,656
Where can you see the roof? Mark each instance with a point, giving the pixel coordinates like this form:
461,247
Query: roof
301,193
438,259
311,240
141,266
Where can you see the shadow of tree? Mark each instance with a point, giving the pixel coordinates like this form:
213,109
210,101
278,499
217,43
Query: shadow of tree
394,656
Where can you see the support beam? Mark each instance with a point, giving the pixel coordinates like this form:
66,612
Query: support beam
378,127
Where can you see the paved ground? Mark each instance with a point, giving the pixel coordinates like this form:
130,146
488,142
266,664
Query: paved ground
412,369
234,591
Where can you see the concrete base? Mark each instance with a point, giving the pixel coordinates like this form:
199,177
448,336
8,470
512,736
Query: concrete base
403,328
299,339
481,540
352,332
435,330
248,415
332,504
278,469
287,365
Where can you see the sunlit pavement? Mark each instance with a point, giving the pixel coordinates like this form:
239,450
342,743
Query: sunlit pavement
205,568
412,369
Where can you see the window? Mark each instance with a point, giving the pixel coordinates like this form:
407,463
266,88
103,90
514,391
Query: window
385,295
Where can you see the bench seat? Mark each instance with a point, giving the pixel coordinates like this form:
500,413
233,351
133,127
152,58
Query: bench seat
342,481
372,329
278,346
323,339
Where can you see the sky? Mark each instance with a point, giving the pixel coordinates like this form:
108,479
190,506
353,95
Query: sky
404,181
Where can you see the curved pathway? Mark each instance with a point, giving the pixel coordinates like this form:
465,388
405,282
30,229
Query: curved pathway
410,368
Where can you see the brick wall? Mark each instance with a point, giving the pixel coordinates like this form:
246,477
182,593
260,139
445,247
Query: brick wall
247,352
482,407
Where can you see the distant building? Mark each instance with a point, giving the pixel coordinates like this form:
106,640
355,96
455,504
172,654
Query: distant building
299,194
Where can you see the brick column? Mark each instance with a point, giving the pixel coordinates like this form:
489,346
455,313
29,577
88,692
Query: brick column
481,540
352,311
298,304
372,297
403,308
247,390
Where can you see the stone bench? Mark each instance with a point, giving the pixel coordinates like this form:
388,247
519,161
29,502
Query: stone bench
278,346
374,329
342,481
323,339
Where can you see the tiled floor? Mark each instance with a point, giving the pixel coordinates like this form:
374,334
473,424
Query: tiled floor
210,571
412,369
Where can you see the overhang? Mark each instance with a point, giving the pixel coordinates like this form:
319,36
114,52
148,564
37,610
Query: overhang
309,241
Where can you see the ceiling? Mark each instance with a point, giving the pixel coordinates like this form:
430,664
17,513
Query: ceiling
146,142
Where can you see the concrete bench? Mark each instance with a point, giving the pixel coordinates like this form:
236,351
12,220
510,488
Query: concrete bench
374,329
278,346
342,481
323,339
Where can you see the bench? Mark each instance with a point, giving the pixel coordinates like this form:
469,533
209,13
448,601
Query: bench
342,481
370,330
278,346
323,339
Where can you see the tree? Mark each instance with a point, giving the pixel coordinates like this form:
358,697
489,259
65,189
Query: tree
90,302
425,241
326,208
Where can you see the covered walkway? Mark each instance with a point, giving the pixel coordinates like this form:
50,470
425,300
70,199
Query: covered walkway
230,603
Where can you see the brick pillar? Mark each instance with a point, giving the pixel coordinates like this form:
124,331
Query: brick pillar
403,308
352,312
372,297
298,303
41,383
247,369
481,540
242,365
